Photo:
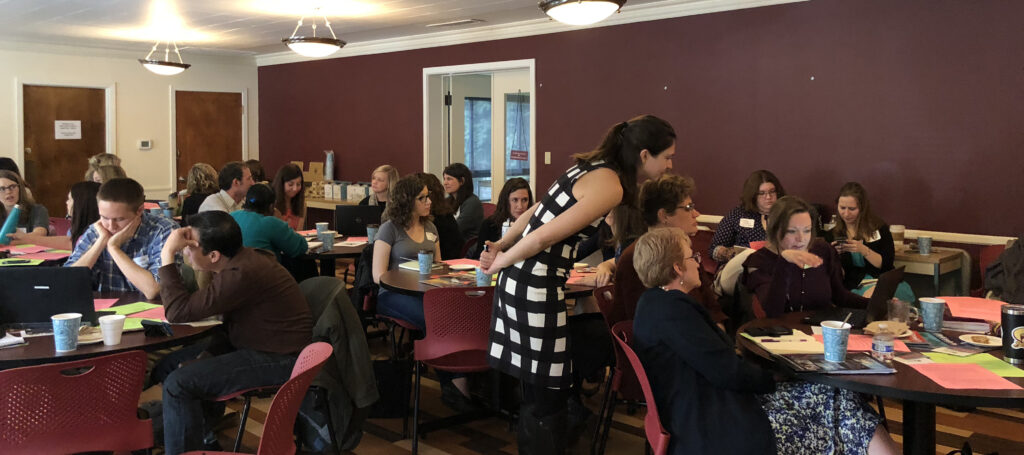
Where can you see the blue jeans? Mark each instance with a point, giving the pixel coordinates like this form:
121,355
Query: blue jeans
188,387
401,306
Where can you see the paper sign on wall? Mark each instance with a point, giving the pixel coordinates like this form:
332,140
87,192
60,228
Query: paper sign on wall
520,155
67,129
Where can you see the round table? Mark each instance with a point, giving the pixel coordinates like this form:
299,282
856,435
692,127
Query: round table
40,349
408,282
919,394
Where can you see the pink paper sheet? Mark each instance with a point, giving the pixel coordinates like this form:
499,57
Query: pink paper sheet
973,307
155,313
27,249
757,245
964,376
307,233
863,343
45,256
471,262
150,205
102,304
357,239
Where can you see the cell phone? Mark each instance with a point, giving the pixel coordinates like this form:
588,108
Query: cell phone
16,261
758,331
156,328
778,331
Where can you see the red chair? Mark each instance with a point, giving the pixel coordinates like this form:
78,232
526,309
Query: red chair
81,406
466,246
621,386
59,226
657,437
489,209
458,326
986,256
278,438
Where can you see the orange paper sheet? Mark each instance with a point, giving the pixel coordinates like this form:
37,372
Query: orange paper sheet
964,376
102,304
155,313
863,343
471,262
757,245
972,307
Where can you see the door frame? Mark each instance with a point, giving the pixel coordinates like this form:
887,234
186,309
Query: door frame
110,114
244,93
525,64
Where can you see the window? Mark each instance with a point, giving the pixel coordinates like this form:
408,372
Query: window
477,116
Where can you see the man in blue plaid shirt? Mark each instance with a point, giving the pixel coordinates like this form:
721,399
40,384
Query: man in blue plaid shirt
123,247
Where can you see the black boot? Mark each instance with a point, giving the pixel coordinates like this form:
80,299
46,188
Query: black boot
543,436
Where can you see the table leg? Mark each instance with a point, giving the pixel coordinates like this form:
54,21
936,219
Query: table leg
935,279
327,266
918,428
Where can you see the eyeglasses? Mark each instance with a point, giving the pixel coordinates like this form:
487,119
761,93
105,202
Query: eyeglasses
695,257
4,189
688,207
424,198
771,193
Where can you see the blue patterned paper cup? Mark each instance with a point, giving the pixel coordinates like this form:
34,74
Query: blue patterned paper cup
837,336
65,331
482,279
426,261
932,311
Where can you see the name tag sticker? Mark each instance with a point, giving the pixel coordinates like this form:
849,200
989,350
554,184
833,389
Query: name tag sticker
875,237
747,223
142,261
431,237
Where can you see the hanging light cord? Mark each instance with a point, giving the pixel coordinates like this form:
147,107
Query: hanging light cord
167,51
313,25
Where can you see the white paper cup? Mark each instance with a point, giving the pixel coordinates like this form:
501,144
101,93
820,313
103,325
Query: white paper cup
65,331
111,326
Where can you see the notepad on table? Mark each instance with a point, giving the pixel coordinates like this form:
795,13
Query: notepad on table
796,343
964,376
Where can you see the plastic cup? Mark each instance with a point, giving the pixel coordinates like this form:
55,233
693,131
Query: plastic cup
837,336
426,260
65,331
482,279
163,205
320,228
924,244
932,310
901,311
371,232
898,231
111,326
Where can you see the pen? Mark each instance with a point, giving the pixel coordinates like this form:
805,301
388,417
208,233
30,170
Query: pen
772,340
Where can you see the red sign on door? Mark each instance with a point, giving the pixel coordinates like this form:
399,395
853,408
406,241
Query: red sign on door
520,155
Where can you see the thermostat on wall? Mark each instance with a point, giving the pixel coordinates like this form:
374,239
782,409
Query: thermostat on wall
145,144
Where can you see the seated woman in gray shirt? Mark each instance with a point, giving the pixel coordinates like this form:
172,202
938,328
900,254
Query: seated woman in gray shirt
408,231
34,218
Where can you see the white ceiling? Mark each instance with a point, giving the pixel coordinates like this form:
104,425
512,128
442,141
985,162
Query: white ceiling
248,26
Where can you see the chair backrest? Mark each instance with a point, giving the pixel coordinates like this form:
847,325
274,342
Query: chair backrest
489,209
458,320
70,407
470,243
59,226
701,242
656,434
623,380
278,438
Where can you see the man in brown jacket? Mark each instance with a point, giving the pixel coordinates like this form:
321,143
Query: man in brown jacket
265,315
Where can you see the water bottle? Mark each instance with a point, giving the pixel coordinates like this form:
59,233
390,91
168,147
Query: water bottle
329,166
505,227
10,225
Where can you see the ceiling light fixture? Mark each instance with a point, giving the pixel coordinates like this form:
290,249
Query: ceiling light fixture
580,12
314,46
164,67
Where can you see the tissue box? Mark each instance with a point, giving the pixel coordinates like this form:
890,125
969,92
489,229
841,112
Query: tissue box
328,190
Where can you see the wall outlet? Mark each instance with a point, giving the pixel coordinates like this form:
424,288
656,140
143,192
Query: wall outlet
145,144
547,157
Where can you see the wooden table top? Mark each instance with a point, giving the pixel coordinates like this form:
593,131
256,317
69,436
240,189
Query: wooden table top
906,384
408,282
937,256
40,349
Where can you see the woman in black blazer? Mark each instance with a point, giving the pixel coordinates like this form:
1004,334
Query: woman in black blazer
712,401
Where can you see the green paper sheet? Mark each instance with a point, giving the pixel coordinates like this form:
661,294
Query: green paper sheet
987,361
132,308
131,324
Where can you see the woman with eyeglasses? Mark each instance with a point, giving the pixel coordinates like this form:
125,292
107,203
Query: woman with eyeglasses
82,211
443,216
746,223
34,218
665,202
796,270
530,336
710,399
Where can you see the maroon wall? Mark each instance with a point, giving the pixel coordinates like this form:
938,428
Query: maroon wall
919,100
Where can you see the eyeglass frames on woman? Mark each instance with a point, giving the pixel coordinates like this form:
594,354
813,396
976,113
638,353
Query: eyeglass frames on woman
765,194
4,189
688,207
695,257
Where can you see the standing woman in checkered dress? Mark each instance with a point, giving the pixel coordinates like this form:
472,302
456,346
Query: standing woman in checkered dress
529,335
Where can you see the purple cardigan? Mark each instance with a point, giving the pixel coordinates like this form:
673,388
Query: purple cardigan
782,287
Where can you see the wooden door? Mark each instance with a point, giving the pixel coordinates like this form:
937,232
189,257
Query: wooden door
52,165
208,129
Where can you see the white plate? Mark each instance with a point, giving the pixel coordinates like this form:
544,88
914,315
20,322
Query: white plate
91,335
462,267
977,340
315,245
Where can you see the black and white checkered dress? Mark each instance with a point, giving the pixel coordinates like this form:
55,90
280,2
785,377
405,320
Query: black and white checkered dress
529,335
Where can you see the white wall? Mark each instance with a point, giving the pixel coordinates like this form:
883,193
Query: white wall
143,99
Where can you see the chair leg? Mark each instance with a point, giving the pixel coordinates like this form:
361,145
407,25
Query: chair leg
605,404
881,412
416,412
608,422
241,425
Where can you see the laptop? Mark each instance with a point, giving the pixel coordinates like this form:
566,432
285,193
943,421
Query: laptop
877,309
30,295
351,220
